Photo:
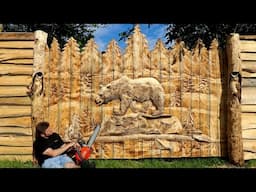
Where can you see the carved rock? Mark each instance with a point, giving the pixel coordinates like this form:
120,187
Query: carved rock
137,124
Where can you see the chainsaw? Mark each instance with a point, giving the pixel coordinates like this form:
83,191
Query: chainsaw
82,154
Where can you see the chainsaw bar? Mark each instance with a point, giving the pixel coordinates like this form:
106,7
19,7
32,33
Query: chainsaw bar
93,136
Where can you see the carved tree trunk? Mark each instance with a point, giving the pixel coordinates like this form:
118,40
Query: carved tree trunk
37,84
234,130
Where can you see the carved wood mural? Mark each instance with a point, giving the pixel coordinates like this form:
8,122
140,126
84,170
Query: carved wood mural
158,103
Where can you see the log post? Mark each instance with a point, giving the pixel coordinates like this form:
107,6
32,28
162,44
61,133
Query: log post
234,130
37,86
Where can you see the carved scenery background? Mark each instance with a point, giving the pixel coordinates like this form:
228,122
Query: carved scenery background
190,125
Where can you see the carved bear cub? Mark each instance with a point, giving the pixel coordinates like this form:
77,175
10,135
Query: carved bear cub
129,90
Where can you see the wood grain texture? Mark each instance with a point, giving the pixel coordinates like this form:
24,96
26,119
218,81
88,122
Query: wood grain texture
18,131
16,141
234,129
248,46
16,121
247,37
248,82
15,80
248,120
12,59
17,44
15,111
248,108
13,91
248,95
12,69
248,56
39,56
17,150
15,101
249,134
191,80
26,36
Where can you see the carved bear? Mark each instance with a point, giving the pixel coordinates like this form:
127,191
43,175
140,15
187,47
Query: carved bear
129,90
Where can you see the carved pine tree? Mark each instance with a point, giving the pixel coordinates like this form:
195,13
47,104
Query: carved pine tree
136,56
160,68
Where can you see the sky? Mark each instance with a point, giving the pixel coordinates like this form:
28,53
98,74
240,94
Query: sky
104,35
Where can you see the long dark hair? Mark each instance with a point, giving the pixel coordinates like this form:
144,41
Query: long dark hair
41,127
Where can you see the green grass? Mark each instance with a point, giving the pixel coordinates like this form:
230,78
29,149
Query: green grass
251,163
147,163
17,164
162,163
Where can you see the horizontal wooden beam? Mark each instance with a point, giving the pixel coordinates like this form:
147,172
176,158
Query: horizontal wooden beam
15,80
248,74
17,44
248,82
249,37
25,131
248,95
144,137
249,66
12,69
248,120
15,122
15,54
6,150
248,56
249,134
248,108
249,145
13,91
25,100
17,61
17,36
24,141
15,111
247,46
249,154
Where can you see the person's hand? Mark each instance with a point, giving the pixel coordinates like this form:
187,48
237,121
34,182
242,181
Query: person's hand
77,146
71,144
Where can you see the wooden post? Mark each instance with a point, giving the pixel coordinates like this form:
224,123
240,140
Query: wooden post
37,86
234,129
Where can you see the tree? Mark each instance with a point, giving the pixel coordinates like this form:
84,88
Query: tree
189,33
62,32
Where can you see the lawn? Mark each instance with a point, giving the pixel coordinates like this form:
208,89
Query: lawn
147,163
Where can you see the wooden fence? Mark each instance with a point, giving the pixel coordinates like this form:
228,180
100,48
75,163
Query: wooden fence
16,69
65,86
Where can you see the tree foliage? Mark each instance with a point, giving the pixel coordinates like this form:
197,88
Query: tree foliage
62,32
190,33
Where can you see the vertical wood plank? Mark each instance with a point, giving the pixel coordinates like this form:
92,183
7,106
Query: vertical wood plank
234,130
39,61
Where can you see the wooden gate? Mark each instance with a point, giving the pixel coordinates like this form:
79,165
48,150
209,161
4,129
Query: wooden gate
192,81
